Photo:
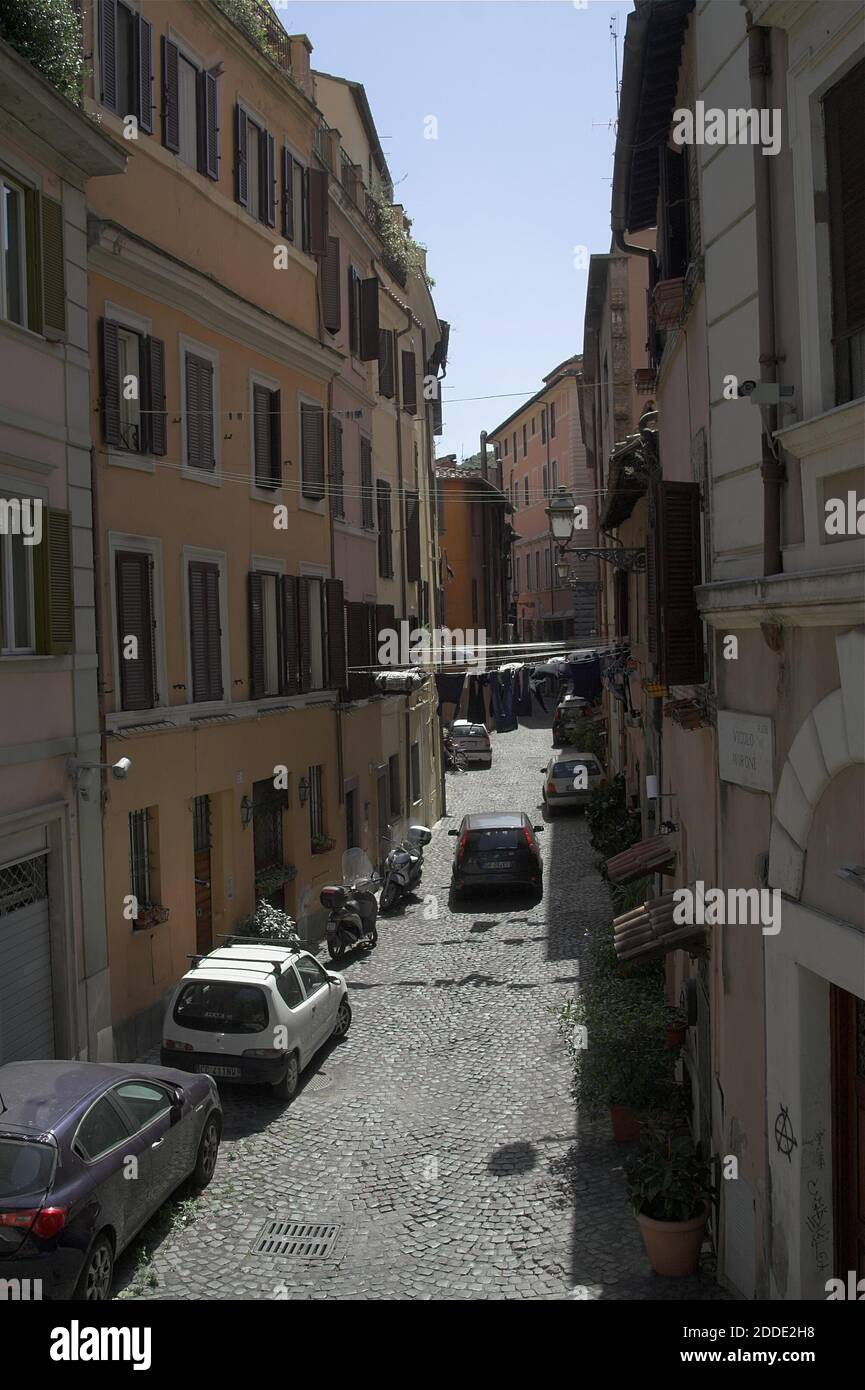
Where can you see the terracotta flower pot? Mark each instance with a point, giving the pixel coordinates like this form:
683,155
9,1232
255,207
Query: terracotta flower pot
626,1126
673,1247
676,1033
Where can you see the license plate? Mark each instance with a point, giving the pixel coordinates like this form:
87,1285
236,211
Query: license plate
498,864
218,1071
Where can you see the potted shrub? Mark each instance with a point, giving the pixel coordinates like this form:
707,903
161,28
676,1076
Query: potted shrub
670,1187
270,924
677,1027
321,844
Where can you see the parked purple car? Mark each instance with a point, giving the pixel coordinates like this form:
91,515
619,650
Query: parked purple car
88,1152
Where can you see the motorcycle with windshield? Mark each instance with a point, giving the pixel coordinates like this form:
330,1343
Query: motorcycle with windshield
352,906
402,869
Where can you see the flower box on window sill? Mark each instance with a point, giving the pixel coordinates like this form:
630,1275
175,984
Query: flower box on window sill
668,301
151,917
267,881
323,844
655,688
644,380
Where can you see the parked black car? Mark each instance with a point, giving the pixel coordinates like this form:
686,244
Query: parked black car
497,849
71,1198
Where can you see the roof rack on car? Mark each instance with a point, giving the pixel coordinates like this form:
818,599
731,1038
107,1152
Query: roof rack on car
232,937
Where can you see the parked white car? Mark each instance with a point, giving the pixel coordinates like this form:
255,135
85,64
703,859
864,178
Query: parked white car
473,740
563,778
254,1013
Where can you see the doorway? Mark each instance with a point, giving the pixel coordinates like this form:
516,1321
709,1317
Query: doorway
848,1124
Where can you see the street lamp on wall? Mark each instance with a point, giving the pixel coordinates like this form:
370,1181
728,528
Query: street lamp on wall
560,515
303,791
246,810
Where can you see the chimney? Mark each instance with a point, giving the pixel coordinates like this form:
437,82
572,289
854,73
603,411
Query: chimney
301,48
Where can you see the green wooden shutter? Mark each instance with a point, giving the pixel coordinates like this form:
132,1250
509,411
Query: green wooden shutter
110,352
55,602
170,96
330,287
154,352
255,593
53,277
33,233
108,53
369,319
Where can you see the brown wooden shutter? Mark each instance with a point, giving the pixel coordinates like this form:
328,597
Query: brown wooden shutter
304,645
318,211
385,542
241,163
207,101
154,353
261,425
110,353
290,674
108,53
357,628
255,597
53,267
335,610
304,209
412,537
385,621
144,74
199,412
205,636
312,451
337,497
385,363
134,595
170,96
369,319
54,595
679,571
353,312
843,106
367,510
330,287
268,148
33,242
409,383
287,194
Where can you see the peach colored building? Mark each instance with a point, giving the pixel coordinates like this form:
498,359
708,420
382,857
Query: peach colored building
540,449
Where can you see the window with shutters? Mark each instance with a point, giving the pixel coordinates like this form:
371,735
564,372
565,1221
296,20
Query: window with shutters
135,607
337,485
386,378
13,261
526,489
525,442
331,303
555,475
255,168
367,507
552,419
412,537
201,409
205,644
132,386
354,282
543,426
126,62
17,628
187,108
394,789
546,482
315,628
673,572
312,451
409,383
385,530
537,569
266,433
843,106
265,632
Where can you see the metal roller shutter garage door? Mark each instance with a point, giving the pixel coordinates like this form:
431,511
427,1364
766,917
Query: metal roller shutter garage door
26,1005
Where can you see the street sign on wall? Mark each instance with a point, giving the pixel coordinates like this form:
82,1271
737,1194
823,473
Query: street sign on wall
746,750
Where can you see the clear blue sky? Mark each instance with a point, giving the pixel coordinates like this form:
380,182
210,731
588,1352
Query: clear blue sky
517,177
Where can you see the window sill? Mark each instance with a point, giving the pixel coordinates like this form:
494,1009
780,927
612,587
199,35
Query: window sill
211,476
308,504
141,463
271,495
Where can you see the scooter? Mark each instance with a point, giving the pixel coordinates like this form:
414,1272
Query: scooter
353,913
403,867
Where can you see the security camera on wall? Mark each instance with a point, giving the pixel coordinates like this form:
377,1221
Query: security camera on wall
120,769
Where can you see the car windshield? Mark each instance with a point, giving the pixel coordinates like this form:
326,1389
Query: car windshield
25,1167
482,841
569,769
221,1006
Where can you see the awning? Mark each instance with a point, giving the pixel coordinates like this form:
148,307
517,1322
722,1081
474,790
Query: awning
646,857
649,932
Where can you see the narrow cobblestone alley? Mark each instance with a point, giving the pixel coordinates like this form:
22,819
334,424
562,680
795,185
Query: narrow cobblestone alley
440,1136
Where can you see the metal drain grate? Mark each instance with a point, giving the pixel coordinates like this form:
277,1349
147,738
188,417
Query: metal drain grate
318,1083
298,1240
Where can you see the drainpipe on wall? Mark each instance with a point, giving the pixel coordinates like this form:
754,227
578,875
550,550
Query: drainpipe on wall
772,469
485,548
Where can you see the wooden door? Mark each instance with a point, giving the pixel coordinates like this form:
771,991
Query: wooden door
202,871
848,1124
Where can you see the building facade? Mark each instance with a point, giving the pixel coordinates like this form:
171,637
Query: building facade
475,541
540,449
55,997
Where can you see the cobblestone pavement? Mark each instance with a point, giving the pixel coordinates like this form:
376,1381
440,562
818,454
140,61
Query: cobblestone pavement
439,1136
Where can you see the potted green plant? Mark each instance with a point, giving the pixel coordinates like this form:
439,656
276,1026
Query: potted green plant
677,1027
670,1187
321,844
269,923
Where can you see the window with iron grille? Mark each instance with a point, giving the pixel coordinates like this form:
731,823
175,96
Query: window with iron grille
201,838
267,808
367,510
140,885
393,785
23,883
316,804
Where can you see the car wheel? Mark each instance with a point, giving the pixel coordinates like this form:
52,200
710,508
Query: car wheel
94,1284
287,1087
389,895
336,949
343,1020
208,1150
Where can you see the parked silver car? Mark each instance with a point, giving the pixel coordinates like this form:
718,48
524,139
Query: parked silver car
570,779
473,740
